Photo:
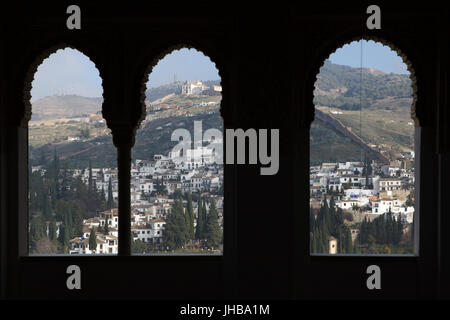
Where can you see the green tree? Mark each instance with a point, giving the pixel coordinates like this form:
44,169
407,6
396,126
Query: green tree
47,207
65,233
199,234
52,231
190,217
106,227
348,243
102,195
90,185
138,247
110,203
399,230
213,230
177,194
176,235
77,220
37,231
410,199
92,240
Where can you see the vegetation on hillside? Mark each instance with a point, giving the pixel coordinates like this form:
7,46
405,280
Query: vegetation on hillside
153,138
341,87
385,118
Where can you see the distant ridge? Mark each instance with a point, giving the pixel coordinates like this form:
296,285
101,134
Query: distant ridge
156,93
60,106
340,86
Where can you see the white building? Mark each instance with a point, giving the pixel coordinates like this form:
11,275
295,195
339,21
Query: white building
106,244
193,87
389,184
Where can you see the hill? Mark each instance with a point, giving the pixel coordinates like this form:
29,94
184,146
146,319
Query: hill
156,93
153,138
67,106
159,92
384,119
341,87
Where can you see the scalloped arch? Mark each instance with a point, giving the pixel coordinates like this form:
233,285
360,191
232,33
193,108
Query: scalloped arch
339,44
160,56
29,77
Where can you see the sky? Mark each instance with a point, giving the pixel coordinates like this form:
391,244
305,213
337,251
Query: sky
187,64
375,55
68,71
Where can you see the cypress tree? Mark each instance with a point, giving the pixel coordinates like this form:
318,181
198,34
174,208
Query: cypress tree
106,227
37,231
102,196
200,225
191,217
95,188
175,235
324,223
67,230
371,232
100,229
70,222
54,179
213,230
90,177
314,239
110,203
55,165
389,228
92,240
65,185
52,231
363,233
77,221
47,207
311,219
316,244
64,233
399,230
348,246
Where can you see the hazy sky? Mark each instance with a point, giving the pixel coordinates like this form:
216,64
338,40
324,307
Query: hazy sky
375,55
187,64
68,71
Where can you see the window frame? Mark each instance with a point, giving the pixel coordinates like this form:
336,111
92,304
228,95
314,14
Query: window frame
27,272
341,276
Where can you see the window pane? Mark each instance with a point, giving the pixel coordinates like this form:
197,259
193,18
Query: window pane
177,187
362,154
72,162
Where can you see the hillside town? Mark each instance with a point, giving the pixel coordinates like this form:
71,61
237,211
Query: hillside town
364,191
153,185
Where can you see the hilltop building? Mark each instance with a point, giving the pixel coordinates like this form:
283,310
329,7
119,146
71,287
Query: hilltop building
197,87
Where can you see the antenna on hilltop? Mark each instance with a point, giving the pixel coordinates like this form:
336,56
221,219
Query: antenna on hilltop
174,78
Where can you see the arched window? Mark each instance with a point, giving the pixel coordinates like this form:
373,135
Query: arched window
72,161
362,154
177,185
